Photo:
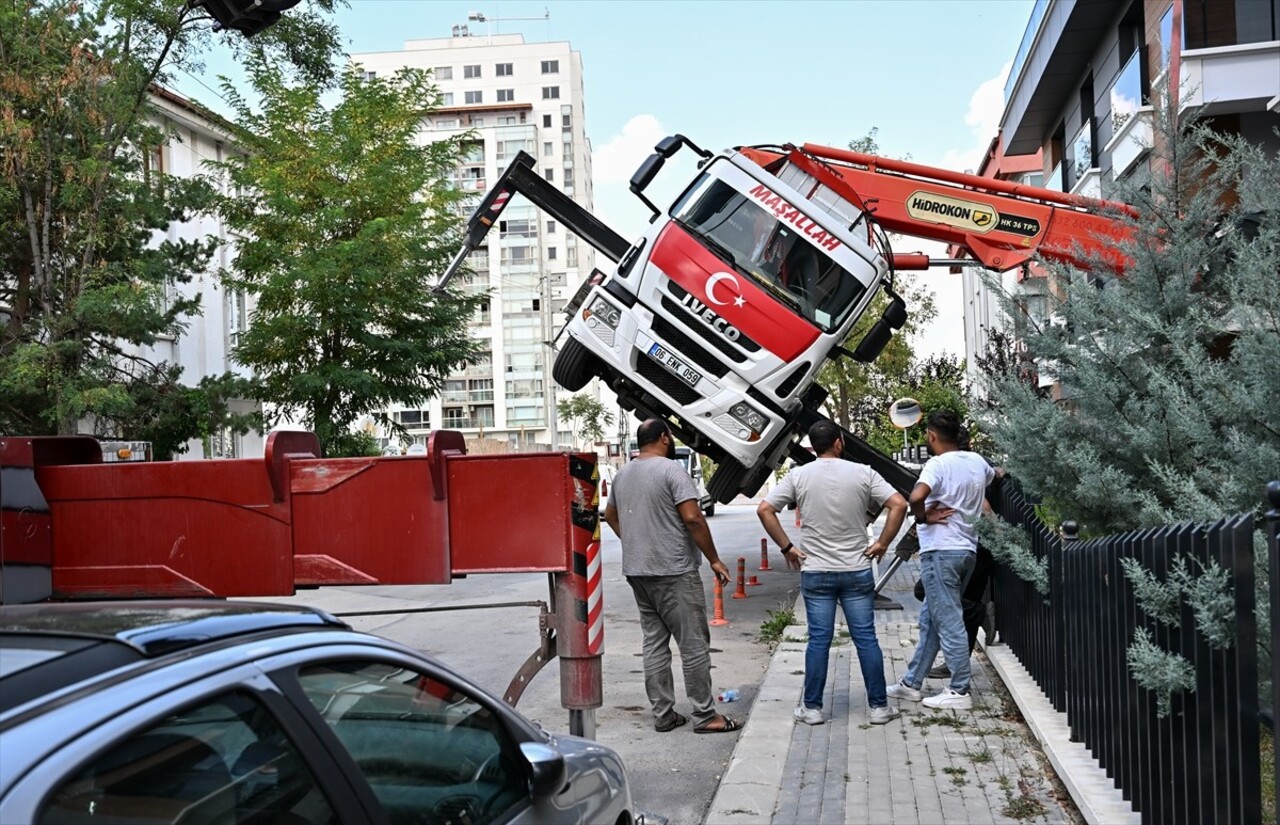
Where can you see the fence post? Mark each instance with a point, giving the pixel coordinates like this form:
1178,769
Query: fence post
1058,606
1273,552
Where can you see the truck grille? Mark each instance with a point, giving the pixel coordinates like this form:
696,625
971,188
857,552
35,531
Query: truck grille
684,314
687,347
660,377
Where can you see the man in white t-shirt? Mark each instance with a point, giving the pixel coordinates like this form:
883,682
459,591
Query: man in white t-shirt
835,559
946,502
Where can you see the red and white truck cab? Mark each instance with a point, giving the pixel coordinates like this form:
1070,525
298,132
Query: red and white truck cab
722,313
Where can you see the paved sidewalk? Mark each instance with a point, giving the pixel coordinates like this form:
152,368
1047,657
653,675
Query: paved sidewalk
978,766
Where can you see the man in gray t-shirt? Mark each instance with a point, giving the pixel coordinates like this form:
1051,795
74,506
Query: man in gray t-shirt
653,507
834,496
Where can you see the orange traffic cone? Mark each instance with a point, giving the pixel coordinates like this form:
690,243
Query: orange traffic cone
753,582
741,591
719,620
764,555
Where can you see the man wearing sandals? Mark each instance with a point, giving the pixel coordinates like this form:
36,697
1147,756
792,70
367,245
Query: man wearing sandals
653,508
835,559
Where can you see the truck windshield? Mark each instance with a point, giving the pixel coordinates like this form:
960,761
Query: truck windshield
769,251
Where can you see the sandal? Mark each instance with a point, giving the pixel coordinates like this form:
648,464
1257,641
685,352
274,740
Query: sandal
730,724
672,723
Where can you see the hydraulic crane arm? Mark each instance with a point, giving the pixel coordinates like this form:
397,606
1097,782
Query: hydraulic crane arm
1003,224
522,178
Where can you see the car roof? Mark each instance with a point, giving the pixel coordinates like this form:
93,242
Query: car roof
46,647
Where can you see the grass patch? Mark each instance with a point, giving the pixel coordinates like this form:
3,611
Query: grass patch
775,623
982,757
957,775
1023,807
942,721
1267,760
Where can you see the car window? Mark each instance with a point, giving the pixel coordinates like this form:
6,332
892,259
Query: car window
223,761
432,754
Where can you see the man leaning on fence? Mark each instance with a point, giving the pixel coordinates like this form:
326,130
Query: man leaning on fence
946,502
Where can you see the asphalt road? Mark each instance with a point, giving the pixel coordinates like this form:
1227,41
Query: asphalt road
673,775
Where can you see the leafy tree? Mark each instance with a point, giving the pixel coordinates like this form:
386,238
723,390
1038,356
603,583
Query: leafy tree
1169,373
87,280
587,416
347,221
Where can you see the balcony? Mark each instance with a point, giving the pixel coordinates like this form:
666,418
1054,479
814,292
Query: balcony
1086,177
1130,119
1232,79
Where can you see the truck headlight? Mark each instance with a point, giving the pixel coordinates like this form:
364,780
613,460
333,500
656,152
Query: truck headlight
749,417
602,311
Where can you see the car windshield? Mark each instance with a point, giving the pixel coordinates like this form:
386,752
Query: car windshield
770,251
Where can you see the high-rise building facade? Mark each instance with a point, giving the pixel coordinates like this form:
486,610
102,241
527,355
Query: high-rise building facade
510,96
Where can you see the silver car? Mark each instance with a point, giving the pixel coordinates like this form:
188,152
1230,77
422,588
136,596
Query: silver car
204,712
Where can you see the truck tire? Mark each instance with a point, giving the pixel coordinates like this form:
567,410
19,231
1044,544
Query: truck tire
574,366
726,481
709,510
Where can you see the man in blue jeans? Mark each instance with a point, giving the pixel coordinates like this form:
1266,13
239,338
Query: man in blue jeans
835,561
946,502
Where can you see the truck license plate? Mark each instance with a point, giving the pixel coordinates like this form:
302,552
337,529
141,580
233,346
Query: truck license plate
690,376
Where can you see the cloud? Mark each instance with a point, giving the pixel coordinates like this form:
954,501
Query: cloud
617,158
613,163
986,107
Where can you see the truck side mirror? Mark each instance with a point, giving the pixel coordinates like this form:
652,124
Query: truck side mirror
874,342
668,146
642,178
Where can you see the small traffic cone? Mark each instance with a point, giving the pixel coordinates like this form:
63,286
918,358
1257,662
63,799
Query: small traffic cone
718,620
741,591
764,555
753,582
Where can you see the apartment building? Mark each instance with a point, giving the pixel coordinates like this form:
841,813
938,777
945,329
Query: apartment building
510,96
204,348
1078,100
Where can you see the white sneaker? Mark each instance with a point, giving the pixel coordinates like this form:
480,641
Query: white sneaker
884,715
897,690
810,716
948,699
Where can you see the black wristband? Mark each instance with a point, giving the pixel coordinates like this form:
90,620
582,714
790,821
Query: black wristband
788,548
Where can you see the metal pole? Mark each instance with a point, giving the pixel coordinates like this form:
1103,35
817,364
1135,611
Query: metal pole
582,723
1273,550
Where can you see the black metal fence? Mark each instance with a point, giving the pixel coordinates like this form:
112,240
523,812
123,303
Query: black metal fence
1198,763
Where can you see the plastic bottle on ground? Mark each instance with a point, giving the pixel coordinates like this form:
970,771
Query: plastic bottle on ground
729,695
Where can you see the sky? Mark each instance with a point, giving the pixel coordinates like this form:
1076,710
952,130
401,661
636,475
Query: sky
928,74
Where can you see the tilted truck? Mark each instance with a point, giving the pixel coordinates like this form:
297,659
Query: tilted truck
719,317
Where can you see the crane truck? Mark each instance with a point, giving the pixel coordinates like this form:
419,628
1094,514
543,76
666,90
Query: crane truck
720,315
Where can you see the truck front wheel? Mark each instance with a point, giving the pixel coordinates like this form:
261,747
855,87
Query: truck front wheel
726,481
574,366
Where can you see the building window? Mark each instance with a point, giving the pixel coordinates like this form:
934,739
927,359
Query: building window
546,121
447,123
548,149
551,227
551,67
551,253
370,76
550,92
503,70
507,121
446,99
477,121
566,121
475,97
506,95
443,72
549,173
470,72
